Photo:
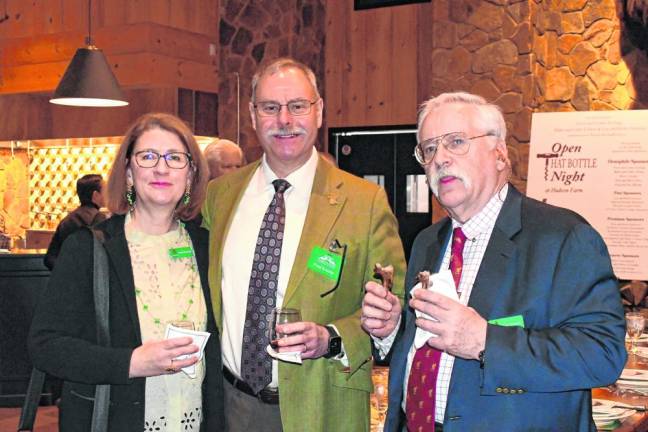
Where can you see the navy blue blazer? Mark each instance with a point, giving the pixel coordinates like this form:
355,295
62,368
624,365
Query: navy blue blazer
550,266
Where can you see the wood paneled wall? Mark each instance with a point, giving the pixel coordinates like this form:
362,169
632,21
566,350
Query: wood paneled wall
149,43
376,64
35,18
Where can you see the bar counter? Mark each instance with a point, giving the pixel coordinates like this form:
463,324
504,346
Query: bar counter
22,277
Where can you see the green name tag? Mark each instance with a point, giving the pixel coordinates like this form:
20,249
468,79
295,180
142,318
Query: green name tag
325,263
509,321
181,252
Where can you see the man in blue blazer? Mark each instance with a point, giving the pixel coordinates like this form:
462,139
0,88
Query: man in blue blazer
539,320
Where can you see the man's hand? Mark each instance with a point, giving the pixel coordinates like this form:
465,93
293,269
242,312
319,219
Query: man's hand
381,310
461,330
308,338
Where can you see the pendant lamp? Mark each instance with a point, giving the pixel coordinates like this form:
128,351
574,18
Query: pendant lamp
88,81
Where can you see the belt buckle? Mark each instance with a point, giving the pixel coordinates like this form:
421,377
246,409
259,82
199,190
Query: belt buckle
269,396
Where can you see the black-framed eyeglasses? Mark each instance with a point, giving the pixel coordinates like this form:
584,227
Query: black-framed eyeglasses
457,143
150,159
297,107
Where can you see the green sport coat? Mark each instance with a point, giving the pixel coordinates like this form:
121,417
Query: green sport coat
321,394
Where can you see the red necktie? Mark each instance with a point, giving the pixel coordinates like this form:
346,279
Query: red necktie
421,387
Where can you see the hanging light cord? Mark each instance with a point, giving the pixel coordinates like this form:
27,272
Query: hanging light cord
5,16
89,41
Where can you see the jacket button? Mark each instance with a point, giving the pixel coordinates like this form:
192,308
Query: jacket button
498,389
505,390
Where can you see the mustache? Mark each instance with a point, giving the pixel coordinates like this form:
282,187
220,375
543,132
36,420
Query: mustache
444,172
294,130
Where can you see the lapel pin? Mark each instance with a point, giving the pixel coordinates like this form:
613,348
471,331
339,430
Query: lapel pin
332,198
334,245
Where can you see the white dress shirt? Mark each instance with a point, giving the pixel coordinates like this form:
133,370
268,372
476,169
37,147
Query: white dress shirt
478,230
240,243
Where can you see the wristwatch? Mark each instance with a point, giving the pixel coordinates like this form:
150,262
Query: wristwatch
335,343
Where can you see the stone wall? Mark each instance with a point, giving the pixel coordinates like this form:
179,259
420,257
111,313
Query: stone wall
252,32
584,59
484,47
535,55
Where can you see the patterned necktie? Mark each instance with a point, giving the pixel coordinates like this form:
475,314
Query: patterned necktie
256,364
421,387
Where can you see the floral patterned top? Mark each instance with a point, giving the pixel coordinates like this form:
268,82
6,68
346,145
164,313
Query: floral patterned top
168,289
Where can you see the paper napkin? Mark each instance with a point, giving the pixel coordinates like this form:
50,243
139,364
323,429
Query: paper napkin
290,357
199,339
441,283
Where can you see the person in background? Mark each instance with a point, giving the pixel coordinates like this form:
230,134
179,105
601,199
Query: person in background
538,321
158,262
267,221
89,189
223,156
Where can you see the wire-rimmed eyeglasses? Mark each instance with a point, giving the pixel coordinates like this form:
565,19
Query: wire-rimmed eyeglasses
150,159
457,143
297,107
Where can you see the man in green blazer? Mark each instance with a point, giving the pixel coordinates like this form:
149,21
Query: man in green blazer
333,228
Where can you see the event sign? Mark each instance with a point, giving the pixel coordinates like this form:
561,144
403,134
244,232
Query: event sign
596,163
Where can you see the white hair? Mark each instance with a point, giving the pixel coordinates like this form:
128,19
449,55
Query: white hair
490,115
215,148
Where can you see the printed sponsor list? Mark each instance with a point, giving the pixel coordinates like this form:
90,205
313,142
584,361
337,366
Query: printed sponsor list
596,163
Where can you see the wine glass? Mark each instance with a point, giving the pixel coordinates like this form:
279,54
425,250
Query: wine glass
282,316
635,323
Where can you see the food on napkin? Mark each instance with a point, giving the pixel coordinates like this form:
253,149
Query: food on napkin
441,283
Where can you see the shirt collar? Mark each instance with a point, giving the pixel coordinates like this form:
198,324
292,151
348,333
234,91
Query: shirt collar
301,178
487,216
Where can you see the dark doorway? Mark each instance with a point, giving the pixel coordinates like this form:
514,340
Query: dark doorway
384,155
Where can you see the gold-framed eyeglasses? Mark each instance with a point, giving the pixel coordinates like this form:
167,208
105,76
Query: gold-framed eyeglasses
457,143
150,159
297,107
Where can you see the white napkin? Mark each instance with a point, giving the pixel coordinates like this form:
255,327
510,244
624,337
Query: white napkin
290,357
441,283
199,339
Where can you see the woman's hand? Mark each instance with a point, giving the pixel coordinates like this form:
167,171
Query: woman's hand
159,357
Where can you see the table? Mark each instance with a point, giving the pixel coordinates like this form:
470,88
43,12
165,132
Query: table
379,398
639,421
22,277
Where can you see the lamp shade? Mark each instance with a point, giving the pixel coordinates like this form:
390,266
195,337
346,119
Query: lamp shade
88,81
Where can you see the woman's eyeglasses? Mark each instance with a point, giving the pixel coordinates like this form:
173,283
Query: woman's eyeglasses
150,159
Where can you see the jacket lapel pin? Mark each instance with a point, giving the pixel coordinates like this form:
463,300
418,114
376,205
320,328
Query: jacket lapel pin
332,198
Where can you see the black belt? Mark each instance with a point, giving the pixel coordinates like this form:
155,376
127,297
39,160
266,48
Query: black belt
268,395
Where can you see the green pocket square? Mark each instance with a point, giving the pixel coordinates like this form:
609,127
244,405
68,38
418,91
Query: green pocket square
509,321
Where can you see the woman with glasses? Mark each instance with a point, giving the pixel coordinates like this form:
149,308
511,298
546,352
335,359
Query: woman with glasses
158,263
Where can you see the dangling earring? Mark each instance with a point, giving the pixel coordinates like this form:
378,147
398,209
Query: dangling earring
130,197
187,196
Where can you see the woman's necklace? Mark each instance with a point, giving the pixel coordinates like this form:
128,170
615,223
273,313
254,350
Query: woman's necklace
180,251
